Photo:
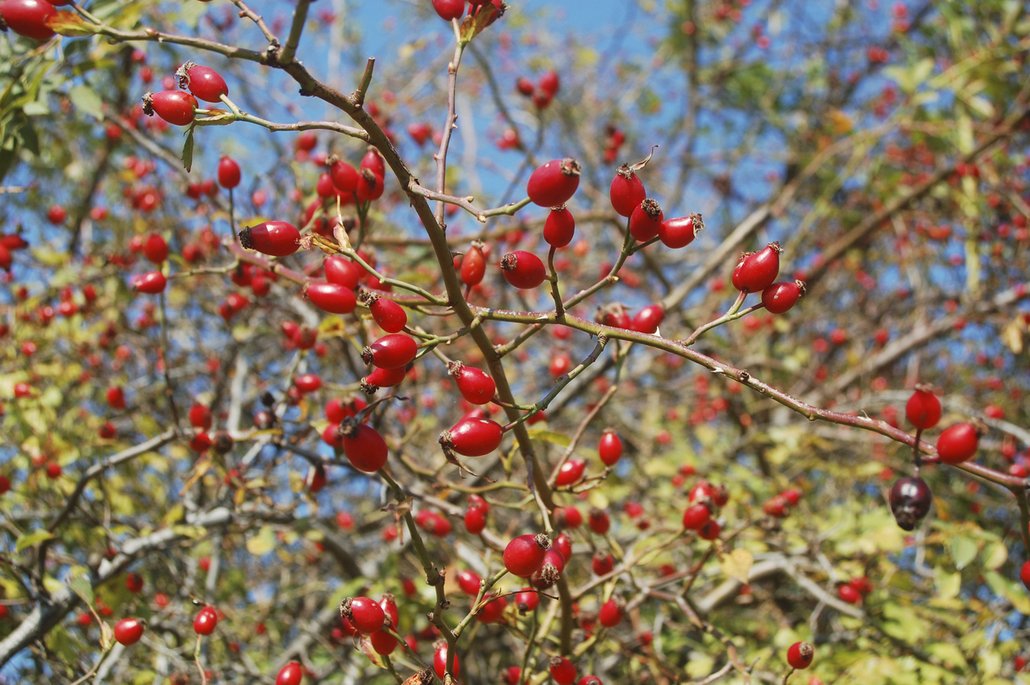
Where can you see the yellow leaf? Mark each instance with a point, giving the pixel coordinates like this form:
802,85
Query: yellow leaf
737,564
262,543
840,122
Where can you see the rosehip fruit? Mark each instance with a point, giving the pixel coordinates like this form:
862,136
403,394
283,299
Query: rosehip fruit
552,184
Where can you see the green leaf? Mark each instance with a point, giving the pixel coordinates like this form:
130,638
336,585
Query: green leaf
81,586
86,100
963,551
32,539
187,151
553,437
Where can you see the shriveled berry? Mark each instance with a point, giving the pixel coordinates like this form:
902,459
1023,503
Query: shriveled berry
910,500
523,269
276,238
646,220
473,437
800,655
330,297
923,409
524,555
550,570
391,351
626,191
780,297
958,443
552,184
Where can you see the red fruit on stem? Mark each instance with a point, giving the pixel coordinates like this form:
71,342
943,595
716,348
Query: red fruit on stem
646,220
473,437
440,662
757,270
342,271
648,319
174,106
549,82
290,674
473,266
469,582
204,82
383,378
276,238
626,191
1024,574
330,297
200,416
562,671
155,249
228,172
28,17
391,351
696,516
390,316
610,447
522,269
205,621
364,447
151,283
128,631
610,613
474,384
524,555
552,184
570,472
344,176
680,231
849,593
923,409
364,614
780,297
958,443
559,227
449,9
475,520
800,655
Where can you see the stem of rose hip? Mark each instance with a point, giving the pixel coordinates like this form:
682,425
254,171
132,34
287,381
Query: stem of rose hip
731,314
552,278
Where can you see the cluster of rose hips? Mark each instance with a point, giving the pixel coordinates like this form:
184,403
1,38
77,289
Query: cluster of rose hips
542,92
179,107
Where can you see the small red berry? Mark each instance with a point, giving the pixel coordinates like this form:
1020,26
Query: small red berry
780,297
204,82
449,9
473,437
475,520
648,319
388,314
552,184
205,621
344,176
610,613
364,614
800,654
524,555
626,191
696,516
474,384
342,271
923,409
646,220
440,662
849,593
364,446
563,671
276,238
1024,574
330,297
958,443
610,447
523,269
469,582
128,631
290,674
174,106
392,351
473,266
151,283
155,248
228,172
570,472
680,231
560,227
28,17
756,271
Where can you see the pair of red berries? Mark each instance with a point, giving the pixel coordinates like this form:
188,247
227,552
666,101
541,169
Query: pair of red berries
957,443
179,107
